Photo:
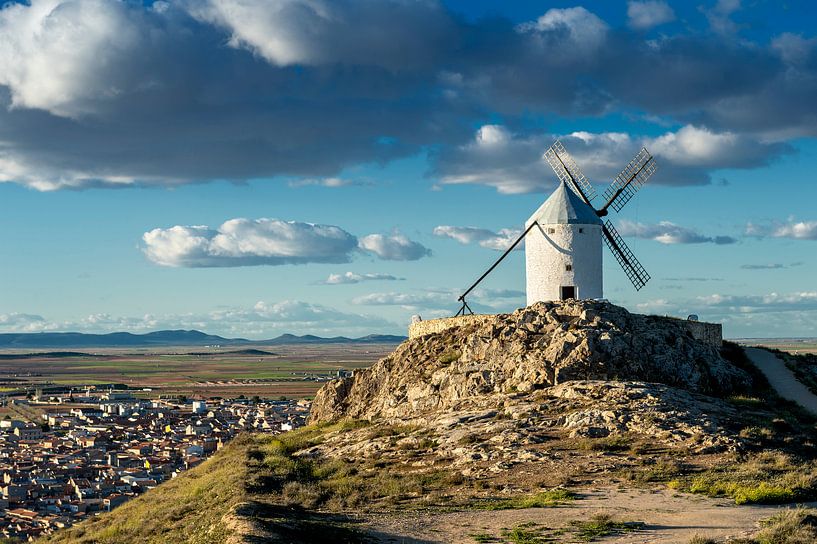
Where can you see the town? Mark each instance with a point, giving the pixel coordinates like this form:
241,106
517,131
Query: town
95,450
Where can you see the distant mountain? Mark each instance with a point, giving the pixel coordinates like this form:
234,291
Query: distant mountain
64,340
311,339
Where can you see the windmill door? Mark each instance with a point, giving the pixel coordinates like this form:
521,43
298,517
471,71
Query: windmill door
568,292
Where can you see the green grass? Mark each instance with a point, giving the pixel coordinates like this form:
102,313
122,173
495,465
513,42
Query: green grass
602,525
484,537
751,493
765,478
790,526
527,533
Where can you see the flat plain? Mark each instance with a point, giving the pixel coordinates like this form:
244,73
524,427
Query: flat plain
795,346
269,371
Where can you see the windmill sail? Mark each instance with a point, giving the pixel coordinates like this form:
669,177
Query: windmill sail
630,180
568,171
635,272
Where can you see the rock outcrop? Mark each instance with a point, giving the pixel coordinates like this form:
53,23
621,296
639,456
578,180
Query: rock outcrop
479,365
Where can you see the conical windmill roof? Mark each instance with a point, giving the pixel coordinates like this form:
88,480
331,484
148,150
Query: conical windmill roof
564,207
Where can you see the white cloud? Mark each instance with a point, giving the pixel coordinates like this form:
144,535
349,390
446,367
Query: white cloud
408,300
318,32
667,232
801,230
354,277
443,302
499,241
578,30
648,14
62,57
330,182
488,136
513,162
247,242
98,93
21,322
797,230
253,242
396,247
263,320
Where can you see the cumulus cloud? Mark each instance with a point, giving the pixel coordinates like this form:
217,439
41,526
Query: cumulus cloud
667,232
797,230
499,241
262,320
395,247
111,94
248,242
576,29
648,14
513,163
354,277
319,32
253,242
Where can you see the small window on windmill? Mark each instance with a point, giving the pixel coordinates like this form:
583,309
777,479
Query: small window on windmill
581,231
569,267
551,230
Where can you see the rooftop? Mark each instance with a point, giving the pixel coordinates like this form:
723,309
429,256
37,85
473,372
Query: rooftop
564,207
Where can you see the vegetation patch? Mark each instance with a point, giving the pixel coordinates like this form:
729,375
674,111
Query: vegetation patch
528,533
766,478
609,443
791,526
602,525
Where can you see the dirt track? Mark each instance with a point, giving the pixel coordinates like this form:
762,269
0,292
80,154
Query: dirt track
668,517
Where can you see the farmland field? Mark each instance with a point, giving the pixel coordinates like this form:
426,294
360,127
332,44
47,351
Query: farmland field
795,346
280,370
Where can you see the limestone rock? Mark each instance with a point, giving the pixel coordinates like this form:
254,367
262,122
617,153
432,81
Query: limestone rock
482,364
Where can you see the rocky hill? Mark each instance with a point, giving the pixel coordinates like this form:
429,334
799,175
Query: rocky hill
481,363
563,422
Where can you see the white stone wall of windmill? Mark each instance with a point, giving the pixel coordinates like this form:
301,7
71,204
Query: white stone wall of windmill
563,256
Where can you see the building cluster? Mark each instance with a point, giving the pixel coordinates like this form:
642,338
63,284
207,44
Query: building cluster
104,450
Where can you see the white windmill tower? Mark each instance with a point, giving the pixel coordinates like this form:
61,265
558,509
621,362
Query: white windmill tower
563,237
563,249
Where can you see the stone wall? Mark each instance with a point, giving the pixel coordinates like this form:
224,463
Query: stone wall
422,328
710,333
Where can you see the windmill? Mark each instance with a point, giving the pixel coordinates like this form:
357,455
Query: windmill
563,237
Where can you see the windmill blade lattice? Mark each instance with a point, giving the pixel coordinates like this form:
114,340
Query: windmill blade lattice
568,171
630,180
635,272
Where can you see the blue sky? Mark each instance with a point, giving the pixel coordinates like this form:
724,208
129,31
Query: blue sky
252,168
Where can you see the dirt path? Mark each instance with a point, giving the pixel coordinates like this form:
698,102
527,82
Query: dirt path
668,517
782,379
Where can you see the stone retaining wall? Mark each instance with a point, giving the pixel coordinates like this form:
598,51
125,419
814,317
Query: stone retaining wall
710,333
422,328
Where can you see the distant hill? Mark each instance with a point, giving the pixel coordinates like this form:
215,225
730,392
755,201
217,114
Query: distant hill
311,339
65,340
